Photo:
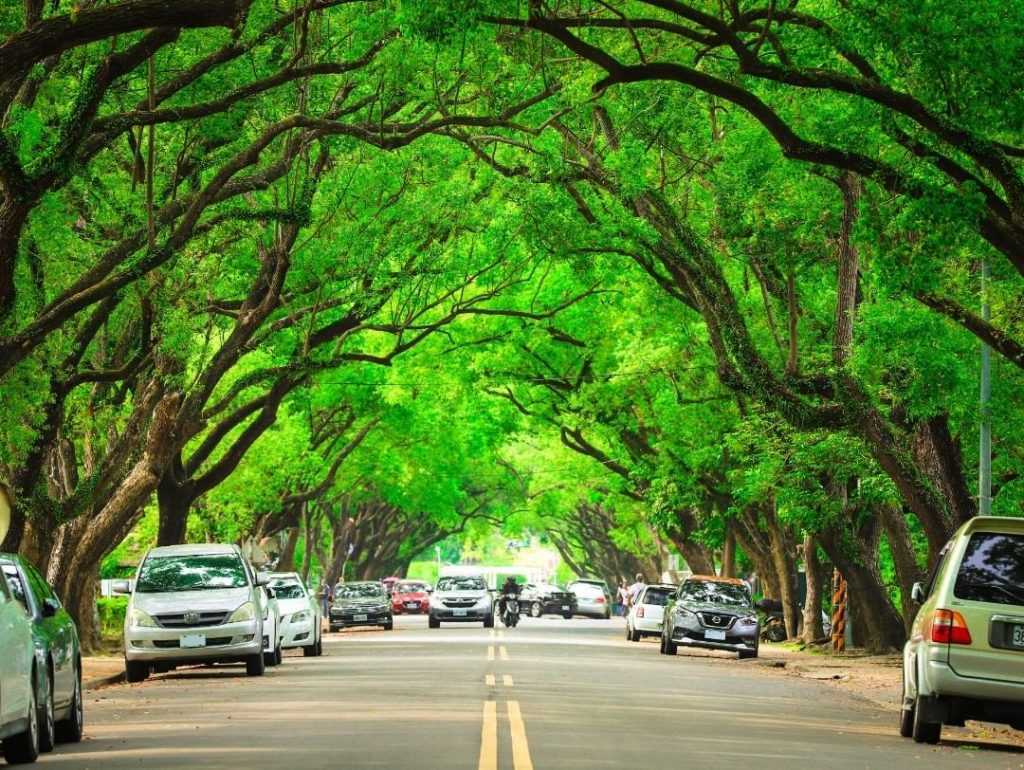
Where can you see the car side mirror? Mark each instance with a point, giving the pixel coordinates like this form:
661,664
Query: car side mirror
121,587
271,594
917,593
262,579
50,608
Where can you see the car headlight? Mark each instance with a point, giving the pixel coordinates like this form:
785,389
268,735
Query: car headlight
246,612
682,612
483,601
749,621
436,602
141,619
300,617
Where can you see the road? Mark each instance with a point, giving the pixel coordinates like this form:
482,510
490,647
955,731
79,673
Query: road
550,694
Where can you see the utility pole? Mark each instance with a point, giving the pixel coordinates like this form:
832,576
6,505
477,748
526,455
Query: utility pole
985,432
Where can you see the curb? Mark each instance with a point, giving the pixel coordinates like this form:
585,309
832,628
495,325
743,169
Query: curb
103,681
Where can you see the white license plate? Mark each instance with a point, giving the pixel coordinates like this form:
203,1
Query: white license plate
193,640
714,636
460,613
357,618
1017,639
565,606
412,605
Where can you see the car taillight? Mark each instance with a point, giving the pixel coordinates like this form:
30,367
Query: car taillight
600,600
639,612
949,627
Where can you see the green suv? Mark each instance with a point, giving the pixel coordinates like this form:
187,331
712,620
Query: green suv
965,657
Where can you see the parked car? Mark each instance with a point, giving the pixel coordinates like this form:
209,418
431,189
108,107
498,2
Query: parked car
20,681
410,598
965,657
301,623
461,599
545,599
646,616
57,651
361,604
712,612
593,598
271,627
193,604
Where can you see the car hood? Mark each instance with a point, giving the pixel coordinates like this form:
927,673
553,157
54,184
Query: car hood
415,596
461,594
211,600
361,601
723,609
291,606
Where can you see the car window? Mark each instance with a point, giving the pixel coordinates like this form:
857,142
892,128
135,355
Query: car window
657,596
461,584
288,589
15,585
709,592
40,588
358,590
939,563
196,572
992,569
588,590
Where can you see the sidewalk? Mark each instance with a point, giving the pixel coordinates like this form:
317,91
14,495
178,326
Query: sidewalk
876,679
100,671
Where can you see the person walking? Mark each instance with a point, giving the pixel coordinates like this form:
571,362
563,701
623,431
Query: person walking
622,598
636,589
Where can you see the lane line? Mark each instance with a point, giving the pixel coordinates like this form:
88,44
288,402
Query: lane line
520,747
489,737
489,679
490,652
507,680
504,652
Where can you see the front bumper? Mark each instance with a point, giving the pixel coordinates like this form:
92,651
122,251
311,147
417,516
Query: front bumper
347,618
468,614
226,641
736,640
299,634
406,609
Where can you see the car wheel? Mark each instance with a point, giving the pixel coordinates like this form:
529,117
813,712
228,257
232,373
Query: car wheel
389,625
671,648
23,748
567,615
433,622
922,731
319,645
278,656
70,730
747,654
136,671
536,610
629,633
269,659
255,665
47,737
489,621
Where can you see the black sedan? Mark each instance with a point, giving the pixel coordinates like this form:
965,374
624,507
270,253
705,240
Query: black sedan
545,599
57,652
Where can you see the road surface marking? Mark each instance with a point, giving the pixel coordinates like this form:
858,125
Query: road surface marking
520,748
504,652
501,634
489,679
489,737
507,680
490,652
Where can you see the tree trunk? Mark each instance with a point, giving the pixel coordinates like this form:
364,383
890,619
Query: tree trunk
729,554
783,562
286,561
174,501
908,572
817,584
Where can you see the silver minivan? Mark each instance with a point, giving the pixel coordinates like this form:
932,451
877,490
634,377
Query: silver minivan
193,604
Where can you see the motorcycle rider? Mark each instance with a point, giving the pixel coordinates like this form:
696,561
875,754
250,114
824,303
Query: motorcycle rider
509,588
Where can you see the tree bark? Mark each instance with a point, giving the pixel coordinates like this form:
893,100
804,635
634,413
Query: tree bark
817,584
897,534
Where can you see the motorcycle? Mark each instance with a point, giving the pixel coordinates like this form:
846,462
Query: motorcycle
773,624
510,610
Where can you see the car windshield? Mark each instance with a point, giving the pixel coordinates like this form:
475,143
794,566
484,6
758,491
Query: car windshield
288,589
992,569
709,592
588,590
657,596
195,572
359,591
410,588
461,584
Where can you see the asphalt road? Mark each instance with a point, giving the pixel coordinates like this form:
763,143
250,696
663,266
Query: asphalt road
550,694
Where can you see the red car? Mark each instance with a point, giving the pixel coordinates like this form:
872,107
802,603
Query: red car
410,598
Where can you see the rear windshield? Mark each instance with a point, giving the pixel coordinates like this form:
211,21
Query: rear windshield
992,569
657,596
708,592
199,572
288,589
587,589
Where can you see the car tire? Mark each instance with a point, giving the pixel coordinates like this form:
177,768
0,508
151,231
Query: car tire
536,610
907,709
23,748
433,622
671,648
269,660
47,726
389,625
309,650
922,731
747,654
255,665
629,634
136,671
70,730
489,621
278,656
567,615
319,646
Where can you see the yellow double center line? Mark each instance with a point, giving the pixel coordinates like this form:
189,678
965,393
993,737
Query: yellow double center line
489,738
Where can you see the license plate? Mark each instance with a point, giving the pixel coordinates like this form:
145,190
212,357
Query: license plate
565,606
715,636
1017,637
193,640
460,613
412,605
357,618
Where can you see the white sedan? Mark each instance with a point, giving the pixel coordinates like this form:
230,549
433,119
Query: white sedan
645,616
272,633
301,624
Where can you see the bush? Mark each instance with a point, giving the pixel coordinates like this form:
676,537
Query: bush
111,610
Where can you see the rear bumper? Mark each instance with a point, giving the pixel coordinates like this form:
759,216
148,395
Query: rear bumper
647,625
943,681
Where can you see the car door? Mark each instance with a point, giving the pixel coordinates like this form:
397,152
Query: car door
16,660
57,628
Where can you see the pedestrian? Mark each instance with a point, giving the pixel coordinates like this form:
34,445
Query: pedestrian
622,598
635,589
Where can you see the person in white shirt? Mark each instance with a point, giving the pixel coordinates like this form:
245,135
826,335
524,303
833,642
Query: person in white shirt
636,588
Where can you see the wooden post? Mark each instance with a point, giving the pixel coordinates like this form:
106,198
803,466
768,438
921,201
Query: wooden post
839,589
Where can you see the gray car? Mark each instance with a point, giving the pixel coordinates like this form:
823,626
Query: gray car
713,613
593,599
366,603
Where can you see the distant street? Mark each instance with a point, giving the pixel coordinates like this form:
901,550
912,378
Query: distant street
549,694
